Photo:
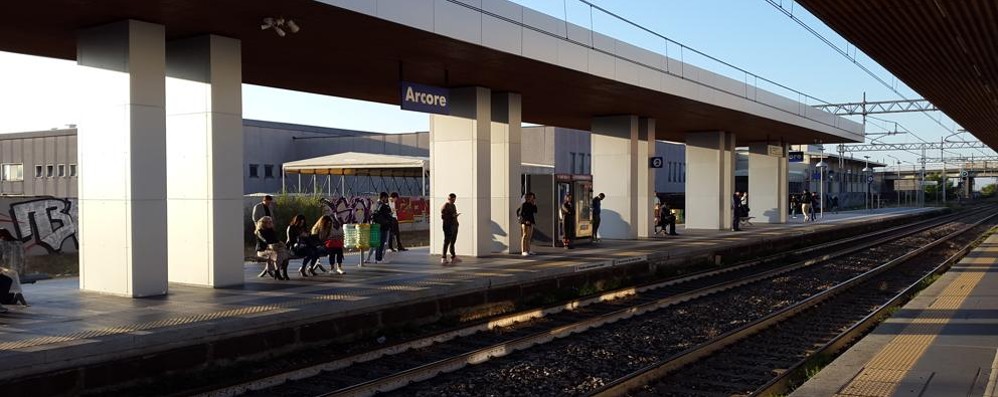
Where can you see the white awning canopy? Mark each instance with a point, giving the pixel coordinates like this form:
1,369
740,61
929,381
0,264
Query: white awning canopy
360,164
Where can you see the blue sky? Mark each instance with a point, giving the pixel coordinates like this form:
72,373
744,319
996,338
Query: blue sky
751,34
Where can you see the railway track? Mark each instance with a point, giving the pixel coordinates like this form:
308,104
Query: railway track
771,355
398,366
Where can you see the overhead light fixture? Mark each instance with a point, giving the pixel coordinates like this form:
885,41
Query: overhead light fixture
280,25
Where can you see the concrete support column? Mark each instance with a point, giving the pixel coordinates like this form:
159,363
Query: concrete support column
505,171
767,178
620,149
646,178
710,182
204,158
460,149
122,156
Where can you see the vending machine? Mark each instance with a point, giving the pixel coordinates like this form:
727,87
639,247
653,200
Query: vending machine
551,190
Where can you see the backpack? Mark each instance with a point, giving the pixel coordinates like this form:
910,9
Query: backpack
380,217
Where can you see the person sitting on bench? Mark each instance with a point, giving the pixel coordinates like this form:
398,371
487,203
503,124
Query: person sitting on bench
10,282
666,219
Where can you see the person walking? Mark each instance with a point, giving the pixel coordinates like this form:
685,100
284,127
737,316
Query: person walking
449,214
805,205
395,243
567,212
526,217
263,208
597,207
835,204
736,202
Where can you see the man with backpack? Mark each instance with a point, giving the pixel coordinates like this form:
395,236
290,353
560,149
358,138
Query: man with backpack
382,218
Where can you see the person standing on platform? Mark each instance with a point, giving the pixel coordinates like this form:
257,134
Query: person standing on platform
396,240
263,208
381,219
567,221
597,206
736,203
793,205
526,218
449,214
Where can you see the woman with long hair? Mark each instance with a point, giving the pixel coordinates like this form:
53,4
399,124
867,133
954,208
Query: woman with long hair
298,243
328,231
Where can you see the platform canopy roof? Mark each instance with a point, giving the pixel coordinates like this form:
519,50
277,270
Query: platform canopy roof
946,50
360,164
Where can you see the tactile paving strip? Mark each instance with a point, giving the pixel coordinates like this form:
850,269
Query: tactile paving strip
884,374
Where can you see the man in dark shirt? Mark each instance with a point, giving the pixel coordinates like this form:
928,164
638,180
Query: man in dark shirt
596,207
448,213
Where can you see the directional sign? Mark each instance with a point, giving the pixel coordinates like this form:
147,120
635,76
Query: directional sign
656,162
795,157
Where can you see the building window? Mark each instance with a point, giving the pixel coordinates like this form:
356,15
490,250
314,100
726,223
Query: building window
49,170
589,163
62,170
573,162
268,170
38,171
13,172
254,173
72,170
682,171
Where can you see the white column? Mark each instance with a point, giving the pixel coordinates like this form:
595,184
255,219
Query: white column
646,178
204,157
122,155
615,150
767,181
459,163
505,171
710,182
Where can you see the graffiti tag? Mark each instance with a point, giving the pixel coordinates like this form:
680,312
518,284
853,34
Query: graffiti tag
47,221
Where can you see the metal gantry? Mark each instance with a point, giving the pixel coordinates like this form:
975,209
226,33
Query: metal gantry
881,147
877,107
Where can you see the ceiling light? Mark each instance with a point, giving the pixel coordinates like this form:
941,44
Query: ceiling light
280,25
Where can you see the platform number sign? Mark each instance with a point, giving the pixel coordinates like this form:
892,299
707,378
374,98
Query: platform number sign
795,157
656,162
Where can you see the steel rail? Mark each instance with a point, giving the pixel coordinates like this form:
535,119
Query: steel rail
527,315
650,373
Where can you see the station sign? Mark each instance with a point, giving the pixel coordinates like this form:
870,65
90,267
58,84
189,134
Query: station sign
656,162
775,151
424,98
795,157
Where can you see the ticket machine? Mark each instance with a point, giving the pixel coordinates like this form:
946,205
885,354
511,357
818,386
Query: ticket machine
551,190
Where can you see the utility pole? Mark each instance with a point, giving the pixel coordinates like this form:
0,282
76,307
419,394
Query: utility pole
942,157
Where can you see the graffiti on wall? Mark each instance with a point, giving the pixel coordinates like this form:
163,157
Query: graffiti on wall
359,209
45,224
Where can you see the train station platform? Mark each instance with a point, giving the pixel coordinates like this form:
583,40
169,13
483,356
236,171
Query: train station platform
79,340
944,342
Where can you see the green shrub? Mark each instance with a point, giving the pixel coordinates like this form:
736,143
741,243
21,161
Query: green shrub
286,207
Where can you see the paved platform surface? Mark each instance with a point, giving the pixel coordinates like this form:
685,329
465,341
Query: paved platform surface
944,342
67,327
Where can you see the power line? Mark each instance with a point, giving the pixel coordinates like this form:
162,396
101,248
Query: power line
853,59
